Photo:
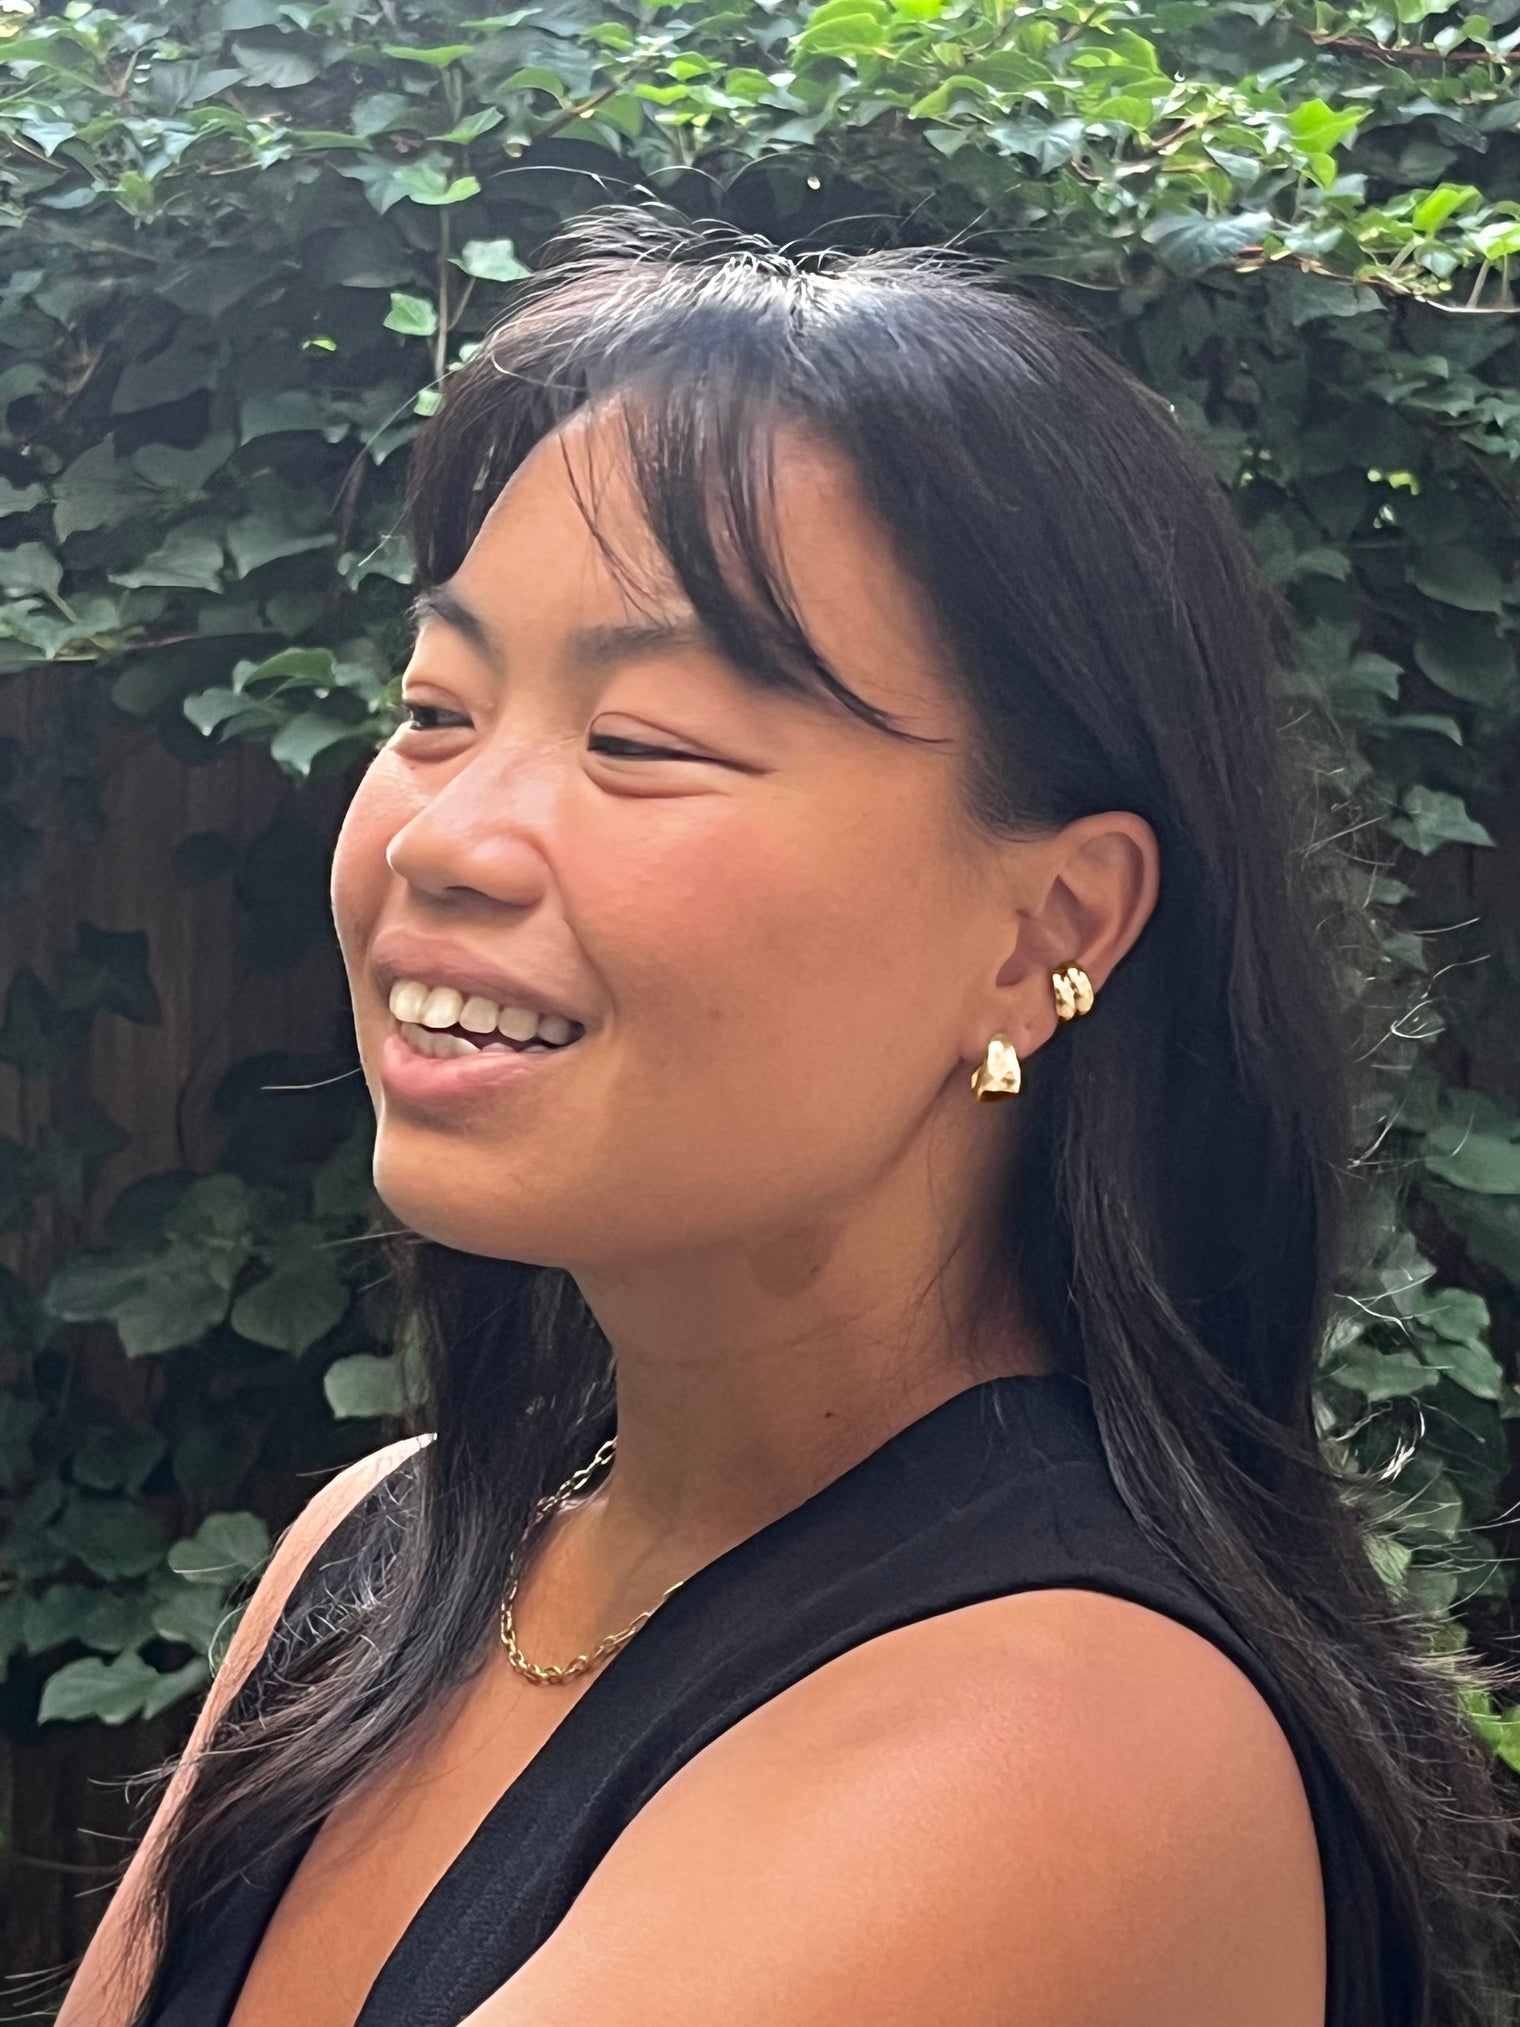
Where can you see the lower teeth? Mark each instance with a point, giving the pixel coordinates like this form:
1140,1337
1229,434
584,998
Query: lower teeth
423,1040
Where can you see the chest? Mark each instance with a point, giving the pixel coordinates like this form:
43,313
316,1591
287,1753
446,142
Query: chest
380,1853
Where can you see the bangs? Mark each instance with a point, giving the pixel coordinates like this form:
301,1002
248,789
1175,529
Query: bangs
700,372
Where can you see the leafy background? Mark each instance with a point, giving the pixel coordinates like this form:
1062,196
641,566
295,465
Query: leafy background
241,242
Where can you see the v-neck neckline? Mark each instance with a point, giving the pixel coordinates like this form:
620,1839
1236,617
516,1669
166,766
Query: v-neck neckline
979,1405
663,1622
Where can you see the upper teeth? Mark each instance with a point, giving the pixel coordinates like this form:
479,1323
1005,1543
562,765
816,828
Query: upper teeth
440,1006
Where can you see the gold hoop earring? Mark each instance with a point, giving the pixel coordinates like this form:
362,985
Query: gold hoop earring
1074,992
1000,1075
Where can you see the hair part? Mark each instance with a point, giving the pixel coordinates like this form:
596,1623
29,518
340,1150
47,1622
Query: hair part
1190,1150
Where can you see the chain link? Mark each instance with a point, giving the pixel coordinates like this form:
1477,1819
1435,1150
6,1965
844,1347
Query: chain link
603,1648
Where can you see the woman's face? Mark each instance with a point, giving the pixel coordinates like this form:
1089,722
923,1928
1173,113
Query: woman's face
769,921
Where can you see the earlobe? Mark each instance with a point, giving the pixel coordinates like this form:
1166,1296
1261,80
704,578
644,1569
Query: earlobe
1001,1075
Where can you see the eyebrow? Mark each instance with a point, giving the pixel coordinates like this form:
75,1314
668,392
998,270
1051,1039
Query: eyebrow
590,648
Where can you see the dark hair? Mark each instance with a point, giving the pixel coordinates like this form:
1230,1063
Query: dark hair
1184,1187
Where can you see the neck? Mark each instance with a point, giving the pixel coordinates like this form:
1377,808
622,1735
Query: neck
744,1386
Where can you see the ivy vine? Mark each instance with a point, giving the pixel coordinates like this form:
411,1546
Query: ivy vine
242,243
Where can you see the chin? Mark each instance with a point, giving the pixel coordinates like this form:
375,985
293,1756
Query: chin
451,1215
465,1235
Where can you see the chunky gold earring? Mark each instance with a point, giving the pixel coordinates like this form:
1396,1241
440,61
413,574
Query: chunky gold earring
1074,993
1000,1075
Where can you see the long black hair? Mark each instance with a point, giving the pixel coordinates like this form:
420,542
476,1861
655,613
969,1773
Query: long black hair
1184,1190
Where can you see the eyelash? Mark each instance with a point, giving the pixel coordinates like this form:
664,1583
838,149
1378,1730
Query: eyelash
632,747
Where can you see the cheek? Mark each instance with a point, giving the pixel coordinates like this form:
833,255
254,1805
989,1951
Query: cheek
765,935
360,875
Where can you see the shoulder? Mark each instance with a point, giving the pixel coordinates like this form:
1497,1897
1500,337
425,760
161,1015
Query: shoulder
1056,1806
295,1551
113,1967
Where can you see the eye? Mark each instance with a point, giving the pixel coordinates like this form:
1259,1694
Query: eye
634,749
424,717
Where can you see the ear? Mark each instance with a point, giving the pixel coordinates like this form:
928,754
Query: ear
1088,895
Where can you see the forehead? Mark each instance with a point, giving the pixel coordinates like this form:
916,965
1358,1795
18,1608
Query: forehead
537,559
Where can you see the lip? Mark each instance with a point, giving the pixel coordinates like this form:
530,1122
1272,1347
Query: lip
396,957
454,1083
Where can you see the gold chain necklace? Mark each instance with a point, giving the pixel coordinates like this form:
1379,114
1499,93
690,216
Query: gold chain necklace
603,1648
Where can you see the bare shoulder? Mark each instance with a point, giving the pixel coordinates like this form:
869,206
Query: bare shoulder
109,1974
322,1514
1058,1806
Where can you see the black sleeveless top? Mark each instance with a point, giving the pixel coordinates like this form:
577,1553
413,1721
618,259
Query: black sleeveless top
1002,1488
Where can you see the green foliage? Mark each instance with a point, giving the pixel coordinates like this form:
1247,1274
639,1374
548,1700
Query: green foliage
242,243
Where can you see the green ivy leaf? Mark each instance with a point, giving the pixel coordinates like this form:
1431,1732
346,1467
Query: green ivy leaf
1382,1376
184,472
1472,1366
30,568
17,499
413,316
291,668
1467,657
104,1619
1500,1731
227,713
491,260
110,1692
192,1614
117,1460
181,1297
175,1686
1318,129
190,559
377,111
183,366
363,1386
1489,1226
1433,818
91,1287
1049,144
273,68
427,183
289,409
111,1537
216,1211
303,1299
261,537
1433,210
470,129
304,739
98,490
1474,1160
438,58
1457,576
1190,243
843,28
224,1550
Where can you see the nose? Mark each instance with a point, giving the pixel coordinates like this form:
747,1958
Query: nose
472,840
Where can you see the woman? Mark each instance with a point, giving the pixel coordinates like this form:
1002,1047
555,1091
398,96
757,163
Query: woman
840,699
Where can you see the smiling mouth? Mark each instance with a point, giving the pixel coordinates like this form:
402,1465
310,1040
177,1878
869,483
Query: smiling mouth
440,1022
442,1042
